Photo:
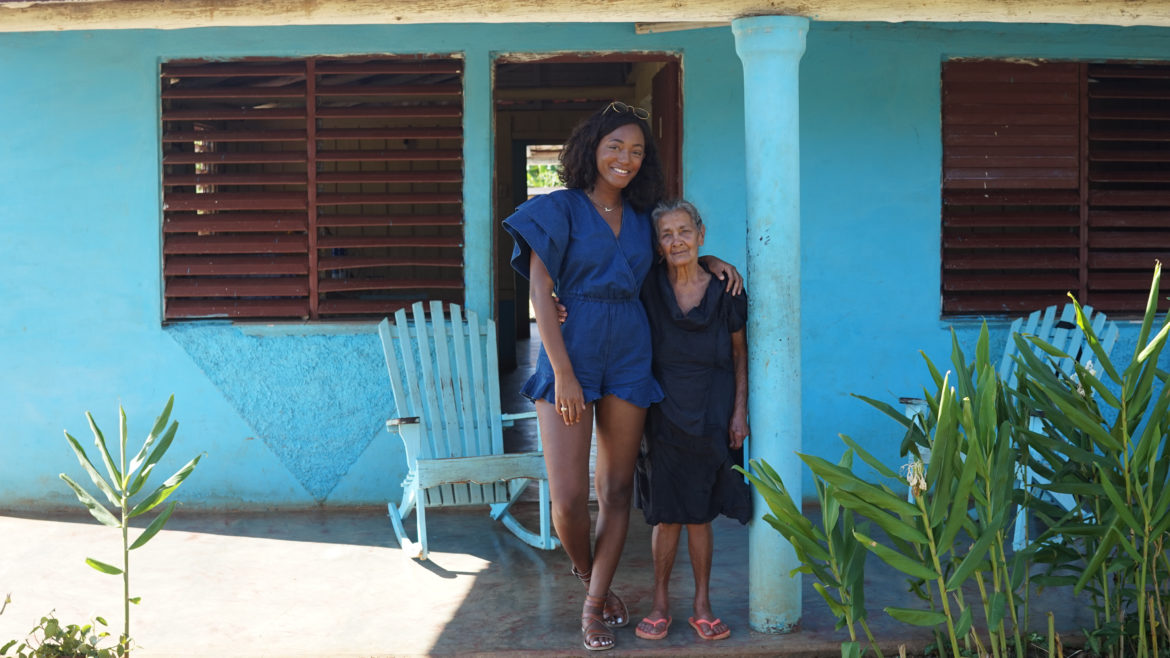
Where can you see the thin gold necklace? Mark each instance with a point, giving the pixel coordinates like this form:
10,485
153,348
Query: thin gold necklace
600,205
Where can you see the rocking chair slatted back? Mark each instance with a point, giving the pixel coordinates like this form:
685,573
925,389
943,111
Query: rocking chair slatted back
445,380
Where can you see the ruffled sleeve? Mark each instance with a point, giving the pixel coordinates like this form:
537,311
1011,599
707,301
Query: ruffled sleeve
737,311
541,224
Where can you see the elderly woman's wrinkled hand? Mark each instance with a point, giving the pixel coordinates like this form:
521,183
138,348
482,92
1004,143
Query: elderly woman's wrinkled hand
739,430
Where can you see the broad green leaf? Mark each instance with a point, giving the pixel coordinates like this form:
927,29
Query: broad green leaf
1127,546
850,650
97,478
165,489
159,423
935,375
1151,305
837,608
103,567
907,565
958,511
1087,425
1090,381
1093,568
971,561
136,600
893,526
123,437
983,346
964,624
1101,357
153,458
155,525
1120,506
801,543
1155,344
887,409
99,440
916,617
869,459
997,609
845,480
95,508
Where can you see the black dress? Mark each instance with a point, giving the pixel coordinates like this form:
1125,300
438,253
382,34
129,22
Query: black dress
684,469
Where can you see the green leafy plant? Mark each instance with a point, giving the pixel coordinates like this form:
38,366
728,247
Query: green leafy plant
1103,443
543,175
51,639
954,530
830,552
126,480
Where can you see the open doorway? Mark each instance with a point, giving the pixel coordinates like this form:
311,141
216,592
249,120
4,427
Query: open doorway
537,102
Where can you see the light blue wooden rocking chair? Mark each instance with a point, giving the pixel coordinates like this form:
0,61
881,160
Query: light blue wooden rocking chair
446,387
1063,334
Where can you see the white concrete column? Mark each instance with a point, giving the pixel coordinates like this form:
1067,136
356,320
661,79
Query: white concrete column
770,48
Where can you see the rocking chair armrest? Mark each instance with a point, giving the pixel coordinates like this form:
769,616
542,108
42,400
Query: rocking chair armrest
507,420
409,429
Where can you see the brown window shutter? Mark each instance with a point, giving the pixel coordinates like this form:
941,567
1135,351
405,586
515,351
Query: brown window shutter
311,189
389,183
1129,182
235,213
1011,235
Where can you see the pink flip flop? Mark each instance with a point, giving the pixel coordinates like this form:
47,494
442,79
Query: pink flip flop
700,624
653,622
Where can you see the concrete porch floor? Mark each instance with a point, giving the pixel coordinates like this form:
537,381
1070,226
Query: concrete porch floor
334,583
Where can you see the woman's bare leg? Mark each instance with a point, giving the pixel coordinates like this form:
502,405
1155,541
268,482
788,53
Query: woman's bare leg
619,437
566,457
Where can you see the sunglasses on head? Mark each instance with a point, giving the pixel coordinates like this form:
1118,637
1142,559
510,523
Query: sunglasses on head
621,108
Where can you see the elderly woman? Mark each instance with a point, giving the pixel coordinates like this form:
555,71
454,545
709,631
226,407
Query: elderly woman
695,434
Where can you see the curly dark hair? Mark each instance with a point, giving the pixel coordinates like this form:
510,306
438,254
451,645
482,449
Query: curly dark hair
579,158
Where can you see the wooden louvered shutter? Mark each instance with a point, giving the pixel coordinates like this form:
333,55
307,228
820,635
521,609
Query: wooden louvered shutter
317,189
1011,236
235,221
1129,182
390,184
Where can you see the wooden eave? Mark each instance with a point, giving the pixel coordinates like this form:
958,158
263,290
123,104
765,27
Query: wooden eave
51,15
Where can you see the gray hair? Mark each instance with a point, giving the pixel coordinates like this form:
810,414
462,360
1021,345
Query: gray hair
676,204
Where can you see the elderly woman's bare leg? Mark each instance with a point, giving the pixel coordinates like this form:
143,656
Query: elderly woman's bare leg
701,545
663,548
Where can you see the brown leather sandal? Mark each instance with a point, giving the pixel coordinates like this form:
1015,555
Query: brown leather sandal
595,634
615,614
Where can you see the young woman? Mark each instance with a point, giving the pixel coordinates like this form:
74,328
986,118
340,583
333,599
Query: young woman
684,476
592,245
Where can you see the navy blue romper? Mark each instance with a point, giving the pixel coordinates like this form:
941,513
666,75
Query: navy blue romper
597,276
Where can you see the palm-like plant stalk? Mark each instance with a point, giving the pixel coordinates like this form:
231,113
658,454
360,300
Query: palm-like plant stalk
125,481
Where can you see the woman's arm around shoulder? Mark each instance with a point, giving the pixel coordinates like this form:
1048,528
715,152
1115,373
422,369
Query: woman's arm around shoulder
724,271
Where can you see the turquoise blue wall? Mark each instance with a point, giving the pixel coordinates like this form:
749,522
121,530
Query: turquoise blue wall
293,415
288,415
870,180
